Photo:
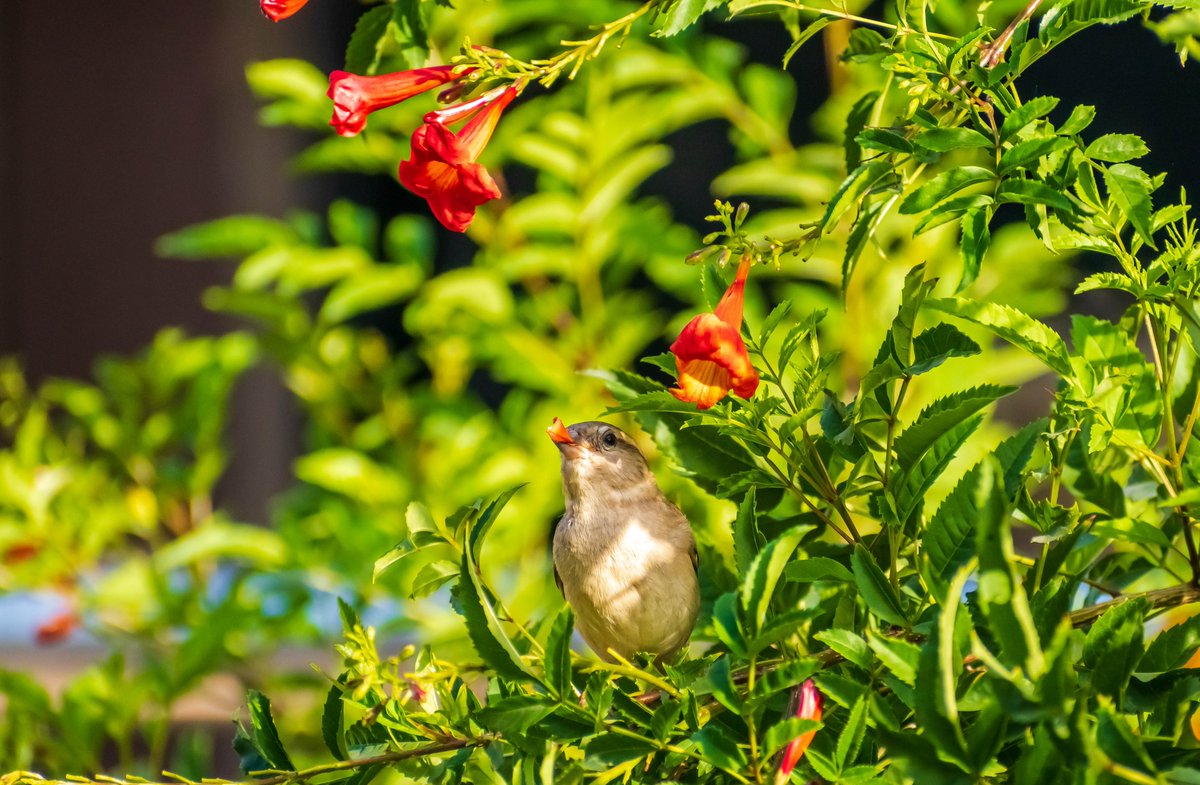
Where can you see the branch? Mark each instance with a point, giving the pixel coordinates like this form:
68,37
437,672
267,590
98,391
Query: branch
32,778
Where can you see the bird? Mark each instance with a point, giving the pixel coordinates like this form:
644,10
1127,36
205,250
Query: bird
624,556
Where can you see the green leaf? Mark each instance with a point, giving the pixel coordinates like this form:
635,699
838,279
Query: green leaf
944,185
1032,192
817,568
852,734
727,625
764,572
817,26
264,734
680,15
347,471
874,588
783,732
849,645
941,416
885,140
1081,117
1172,647
722,685
1118,742
938,671
941,140
719,748
976,238
369,290
938,344
483,626
857,119
913,481
747,539
488,517
1117,148
261,547
852,189
1001,596
1113,647
1025,114
897,655
607,750
331,720
1130,188
557,662
389,32
1012,325
1030,151
514,715
237,235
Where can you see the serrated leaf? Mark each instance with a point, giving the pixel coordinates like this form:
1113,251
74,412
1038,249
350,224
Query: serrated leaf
936,345
1117,148
1032,192
488,517
1081,117
943,185
1029,151
884,140
941,416
1130,188
817,26
1171,648
1113,647
873,586
817,568
852,188
852,647
680,15
483,625
610,749
1012,325
1001,596
897,655
856,120
941,140
913,481
514,715
758,587
976,238
264,733
747,539
722,685
557,662
783,732
719,748
331,720
1025,114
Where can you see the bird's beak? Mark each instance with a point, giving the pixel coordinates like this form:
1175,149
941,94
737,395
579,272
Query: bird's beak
558,432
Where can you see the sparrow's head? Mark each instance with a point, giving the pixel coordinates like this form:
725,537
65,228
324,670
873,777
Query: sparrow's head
598,459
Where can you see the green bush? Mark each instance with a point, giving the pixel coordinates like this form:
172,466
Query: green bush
855,516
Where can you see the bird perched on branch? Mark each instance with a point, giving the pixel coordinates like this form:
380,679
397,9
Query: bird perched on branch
624,556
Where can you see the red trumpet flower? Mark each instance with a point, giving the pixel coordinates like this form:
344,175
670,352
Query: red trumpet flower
443,170
280,9
355,97
809,709
710,356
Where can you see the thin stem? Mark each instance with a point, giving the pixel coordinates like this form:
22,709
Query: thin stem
994,52
862,20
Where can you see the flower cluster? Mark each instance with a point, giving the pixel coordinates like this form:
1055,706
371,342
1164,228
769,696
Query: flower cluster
443,169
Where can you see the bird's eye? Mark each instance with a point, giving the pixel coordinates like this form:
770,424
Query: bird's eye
609,439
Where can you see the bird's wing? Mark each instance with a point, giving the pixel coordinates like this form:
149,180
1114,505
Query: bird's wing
558,582
695,557
679,520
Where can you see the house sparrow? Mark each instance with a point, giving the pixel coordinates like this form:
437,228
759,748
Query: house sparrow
624,556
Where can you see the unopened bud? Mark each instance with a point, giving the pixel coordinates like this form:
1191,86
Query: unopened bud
743,210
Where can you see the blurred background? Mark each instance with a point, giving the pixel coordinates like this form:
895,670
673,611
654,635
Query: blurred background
126,121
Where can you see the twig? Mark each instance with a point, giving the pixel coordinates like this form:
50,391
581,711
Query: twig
993,53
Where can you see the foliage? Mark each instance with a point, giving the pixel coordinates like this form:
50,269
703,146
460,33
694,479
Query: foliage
856,517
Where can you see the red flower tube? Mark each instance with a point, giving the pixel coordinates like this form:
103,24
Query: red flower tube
710,356
355,97
276,10
809,709
443,169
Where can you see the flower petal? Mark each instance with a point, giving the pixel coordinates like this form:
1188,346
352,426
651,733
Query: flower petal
707,337
276,10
